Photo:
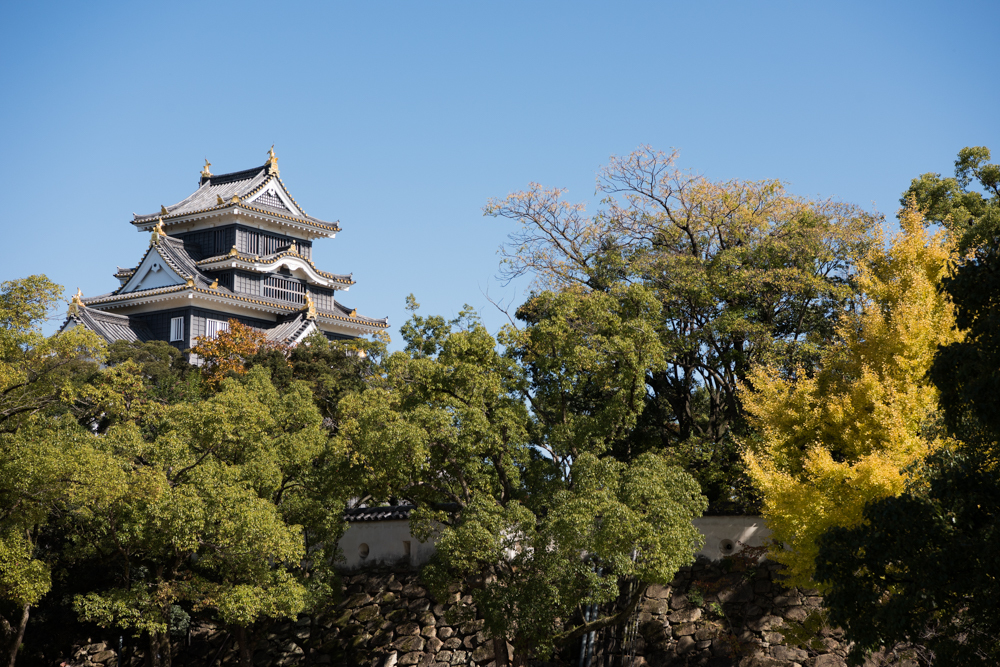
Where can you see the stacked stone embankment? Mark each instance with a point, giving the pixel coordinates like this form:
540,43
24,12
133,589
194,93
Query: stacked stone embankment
724,614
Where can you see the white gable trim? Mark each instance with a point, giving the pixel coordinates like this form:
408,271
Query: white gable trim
299,267
153,273
274,187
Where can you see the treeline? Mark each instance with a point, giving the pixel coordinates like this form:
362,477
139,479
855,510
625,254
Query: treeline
692,346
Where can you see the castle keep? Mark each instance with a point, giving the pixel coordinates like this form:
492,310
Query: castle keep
239,247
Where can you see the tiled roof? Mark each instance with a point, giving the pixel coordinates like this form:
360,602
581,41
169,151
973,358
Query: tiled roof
387,513
239,183
243,184
292,331
173,252
390,512
110,326
277,306
111,297
347,311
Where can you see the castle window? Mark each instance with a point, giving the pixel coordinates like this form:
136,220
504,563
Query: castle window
176,329
276,287
214,327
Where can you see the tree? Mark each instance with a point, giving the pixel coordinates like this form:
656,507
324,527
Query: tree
921,568
831,439
744,274
227,354
972,215
330,369
506,455
169,378
200,514
38,372
39,470
48,469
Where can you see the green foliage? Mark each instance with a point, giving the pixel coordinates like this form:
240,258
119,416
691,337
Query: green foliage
169,378
805,634
922,568
743,274
330,369
505,451
204,508
973,215
38,373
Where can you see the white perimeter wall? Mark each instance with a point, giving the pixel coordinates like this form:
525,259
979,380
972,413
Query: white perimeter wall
386,543
386,540
726,535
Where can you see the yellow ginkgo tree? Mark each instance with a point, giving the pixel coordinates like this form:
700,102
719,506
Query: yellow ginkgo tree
833,438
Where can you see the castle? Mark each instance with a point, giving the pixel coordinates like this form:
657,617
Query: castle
239,247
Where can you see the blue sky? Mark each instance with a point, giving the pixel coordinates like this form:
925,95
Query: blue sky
400,119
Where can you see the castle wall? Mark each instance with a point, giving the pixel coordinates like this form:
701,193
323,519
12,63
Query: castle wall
732,613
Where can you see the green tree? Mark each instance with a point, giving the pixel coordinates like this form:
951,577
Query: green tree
968,204
38,372
203,513
40,469
330,369
744,274
169,377
505,451
921,567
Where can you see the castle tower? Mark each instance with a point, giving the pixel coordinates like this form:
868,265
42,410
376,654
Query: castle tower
239,247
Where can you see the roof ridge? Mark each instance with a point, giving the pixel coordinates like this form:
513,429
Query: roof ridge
242,175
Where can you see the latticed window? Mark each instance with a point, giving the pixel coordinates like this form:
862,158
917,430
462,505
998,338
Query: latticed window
176,329
276,287
214,327
263,244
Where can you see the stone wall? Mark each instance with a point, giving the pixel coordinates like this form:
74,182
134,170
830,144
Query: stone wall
729,613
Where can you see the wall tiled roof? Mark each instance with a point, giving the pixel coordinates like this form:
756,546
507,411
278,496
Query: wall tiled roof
387,513
390,512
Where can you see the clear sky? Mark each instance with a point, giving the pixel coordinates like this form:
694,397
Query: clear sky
400,119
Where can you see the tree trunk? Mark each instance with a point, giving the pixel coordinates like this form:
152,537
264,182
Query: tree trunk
17,636
500,652
158,654
243,642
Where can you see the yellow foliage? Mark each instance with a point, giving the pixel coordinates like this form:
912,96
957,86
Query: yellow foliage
832,440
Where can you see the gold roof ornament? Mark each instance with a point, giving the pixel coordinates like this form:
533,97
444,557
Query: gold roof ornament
354,313
157,232
205,173
75,303
190,281
292,247
235,199
219,201
163,210
272,162
233,251
215,284
310,308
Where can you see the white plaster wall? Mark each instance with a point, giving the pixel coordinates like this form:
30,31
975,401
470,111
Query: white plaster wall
386,544
724,535
385,540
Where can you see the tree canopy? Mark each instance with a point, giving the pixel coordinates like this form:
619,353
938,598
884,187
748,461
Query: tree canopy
827,440
506,449
744,274
920,568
